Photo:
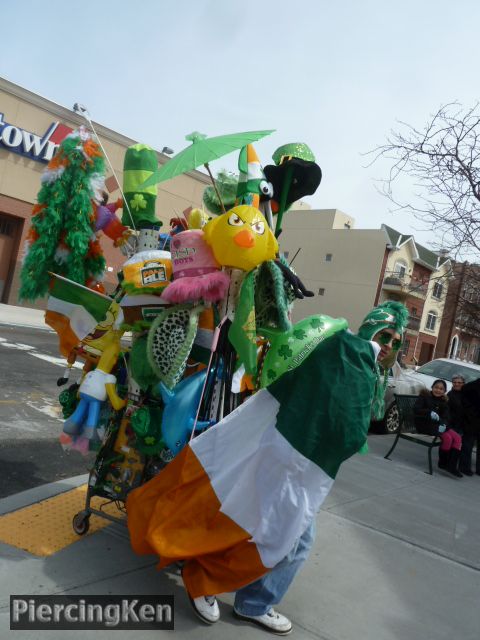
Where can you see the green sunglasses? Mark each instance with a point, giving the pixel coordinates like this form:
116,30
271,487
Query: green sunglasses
385,338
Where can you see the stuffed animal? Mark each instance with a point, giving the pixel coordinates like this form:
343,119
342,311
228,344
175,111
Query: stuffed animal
241,238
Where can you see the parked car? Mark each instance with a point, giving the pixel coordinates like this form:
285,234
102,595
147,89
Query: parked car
444,368
410,381
399,382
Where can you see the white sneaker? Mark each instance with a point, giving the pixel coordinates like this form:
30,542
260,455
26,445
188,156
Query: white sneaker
271,621
206,608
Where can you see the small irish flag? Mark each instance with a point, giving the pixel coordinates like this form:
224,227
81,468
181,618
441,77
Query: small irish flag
74,311
235,500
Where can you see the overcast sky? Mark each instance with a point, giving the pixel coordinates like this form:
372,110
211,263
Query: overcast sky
336,75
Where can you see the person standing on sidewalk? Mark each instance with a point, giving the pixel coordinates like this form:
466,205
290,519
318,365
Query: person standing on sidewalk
457,421
471,437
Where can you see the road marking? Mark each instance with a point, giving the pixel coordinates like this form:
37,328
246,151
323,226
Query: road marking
24,347
61,362
49,410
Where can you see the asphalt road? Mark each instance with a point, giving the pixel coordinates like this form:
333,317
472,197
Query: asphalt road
30,415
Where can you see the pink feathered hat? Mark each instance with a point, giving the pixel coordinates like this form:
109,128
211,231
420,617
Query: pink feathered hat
196,274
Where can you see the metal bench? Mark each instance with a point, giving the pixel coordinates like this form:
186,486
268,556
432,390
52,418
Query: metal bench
407,431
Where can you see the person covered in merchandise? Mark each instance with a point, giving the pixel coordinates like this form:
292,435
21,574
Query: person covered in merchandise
432,417
270,465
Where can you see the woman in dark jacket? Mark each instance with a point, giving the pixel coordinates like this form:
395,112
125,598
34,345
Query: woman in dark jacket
432,417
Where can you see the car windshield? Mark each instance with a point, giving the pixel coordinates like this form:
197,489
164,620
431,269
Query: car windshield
445,370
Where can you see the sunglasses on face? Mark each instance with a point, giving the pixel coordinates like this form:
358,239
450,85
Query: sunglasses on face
385,338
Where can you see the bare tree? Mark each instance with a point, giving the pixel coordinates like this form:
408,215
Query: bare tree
444,161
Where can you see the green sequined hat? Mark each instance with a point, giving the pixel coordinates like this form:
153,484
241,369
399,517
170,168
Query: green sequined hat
295,165
298,150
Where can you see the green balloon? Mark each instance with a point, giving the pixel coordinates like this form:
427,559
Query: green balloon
288,349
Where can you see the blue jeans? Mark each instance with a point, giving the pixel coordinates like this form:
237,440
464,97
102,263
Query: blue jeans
258,597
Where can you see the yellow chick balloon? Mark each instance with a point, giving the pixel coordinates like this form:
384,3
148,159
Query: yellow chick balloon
241,238
197,219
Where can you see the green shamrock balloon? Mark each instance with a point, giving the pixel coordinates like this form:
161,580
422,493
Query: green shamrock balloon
288,349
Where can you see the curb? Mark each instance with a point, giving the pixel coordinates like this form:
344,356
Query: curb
37,494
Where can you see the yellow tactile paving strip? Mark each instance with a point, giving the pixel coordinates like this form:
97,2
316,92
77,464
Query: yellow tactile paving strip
46,527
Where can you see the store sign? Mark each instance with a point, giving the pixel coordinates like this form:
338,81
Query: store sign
31,145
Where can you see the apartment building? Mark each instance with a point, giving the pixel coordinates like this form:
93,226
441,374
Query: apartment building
351,270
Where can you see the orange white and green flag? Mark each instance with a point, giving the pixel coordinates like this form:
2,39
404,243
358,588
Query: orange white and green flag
235,500
73,311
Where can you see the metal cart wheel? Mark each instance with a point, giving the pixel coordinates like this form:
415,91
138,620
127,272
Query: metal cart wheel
81,523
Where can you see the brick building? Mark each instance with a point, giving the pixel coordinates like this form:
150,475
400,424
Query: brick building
459,336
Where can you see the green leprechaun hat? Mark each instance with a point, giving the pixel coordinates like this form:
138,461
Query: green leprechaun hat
296,164
139,164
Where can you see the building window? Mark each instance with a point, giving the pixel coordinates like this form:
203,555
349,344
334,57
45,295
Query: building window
454,347
321,291
437,290
405,347
328,257
400,269
431,321
6,228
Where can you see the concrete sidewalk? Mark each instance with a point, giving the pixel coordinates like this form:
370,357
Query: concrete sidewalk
397,557
23,317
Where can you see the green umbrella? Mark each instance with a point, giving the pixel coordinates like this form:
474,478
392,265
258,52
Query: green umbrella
202,151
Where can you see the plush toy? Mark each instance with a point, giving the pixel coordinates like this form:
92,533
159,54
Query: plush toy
170,341
94,389
196,274
241,238
227,184
181,406
252,182
294,175
197,218
107,221
139,164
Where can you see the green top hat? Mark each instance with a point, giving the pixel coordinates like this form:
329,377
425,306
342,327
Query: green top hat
139,164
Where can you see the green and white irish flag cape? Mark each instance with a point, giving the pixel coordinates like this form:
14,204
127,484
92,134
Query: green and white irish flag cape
234,501
73,311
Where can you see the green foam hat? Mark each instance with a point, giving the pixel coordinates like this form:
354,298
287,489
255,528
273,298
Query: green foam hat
139,164
388,315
